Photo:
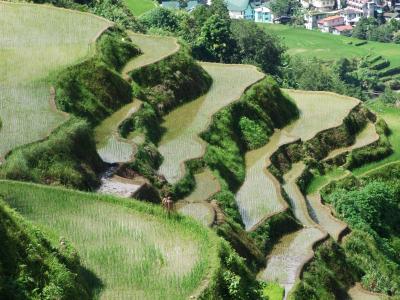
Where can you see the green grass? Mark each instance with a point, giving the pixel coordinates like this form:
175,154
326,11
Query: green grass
321,180
135,249
35,41
273,291
138,7
312,43
183,125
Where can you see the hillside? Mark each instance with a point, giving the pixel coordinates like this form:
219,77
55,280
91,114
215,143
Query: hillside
163,169
30,267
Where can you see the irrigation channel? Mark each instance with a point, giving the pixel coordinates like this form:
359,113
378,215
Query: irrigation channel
260,196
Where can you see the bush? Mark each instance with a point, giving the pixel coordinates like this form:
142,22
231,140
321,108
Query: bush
68,157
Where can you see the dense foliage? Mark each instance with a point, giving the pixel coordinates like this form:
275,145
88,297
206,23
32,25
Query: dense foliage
68,157
213,36
377,30
371,208
30,268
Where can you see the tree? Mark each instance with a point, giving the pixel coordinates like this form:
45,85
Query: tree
256,46
215,41
161,18
363,26
284,7
389,96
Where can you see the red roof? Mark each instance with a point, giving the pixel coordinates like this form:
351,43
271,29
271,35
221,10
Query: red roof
344,28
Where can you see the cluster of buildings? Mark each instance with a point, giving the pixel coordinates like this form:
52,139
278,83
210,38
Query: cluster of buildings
334,16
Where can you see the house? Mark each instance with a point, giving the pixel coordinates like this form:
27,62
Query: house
342,29
367,6
311,19
351,15
327,24
323,5
240,9
263,14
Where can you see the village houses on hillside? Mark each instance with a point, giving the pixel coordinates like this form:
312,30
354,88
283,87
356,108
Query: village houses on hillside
333,16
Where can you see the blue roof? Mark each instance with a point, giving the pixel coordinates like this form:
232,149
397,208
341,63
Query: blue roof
237,5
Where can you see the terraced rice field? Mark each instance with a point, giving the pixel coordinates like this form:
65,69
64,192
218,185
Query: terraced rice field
318,111
35,41
154,48
196,205
322,215
296,198
358,293
133,248
111,147
259,197
288,257
183,125
366,137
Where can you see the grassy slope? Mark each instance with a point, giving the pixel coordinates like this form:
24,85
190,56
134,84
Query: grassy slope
134,248
139,7
43,41
310,43
32,269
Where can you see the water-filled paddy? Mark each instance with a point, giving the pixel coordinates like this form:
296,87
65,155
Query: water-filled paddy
110,146
289,255
154,49
183,125
36,40
259,196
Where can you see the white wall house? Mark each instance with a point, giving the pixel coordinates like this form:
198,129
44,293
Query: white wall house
327,24
263,14
323,5
240,9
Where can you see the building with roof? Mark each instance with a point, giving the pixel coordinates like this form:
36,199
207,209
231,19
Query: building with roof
240,9
327,24
263,14
342,30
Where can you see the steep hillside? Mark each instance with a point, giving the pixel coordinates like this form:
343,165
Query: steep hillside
30,267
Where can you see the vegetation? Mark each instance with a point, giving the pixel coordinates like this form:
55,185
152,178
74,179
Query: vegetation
370,206
93,89
374,30
140,7
212,36
328,276
30,268
68,157
311,43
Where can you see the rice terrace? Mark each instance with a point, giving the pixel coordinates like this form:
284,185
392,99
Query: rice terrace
171,150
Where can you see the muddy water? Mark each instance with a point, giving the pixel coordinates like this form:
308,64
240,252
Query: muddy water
321,214
154,48
116,185
296,198
110,146
288,257
260,195
195,205
358,293
183,126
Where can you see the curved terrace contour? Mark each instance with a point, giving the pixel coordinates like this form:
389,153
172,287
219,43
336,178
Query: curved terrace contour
35,41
